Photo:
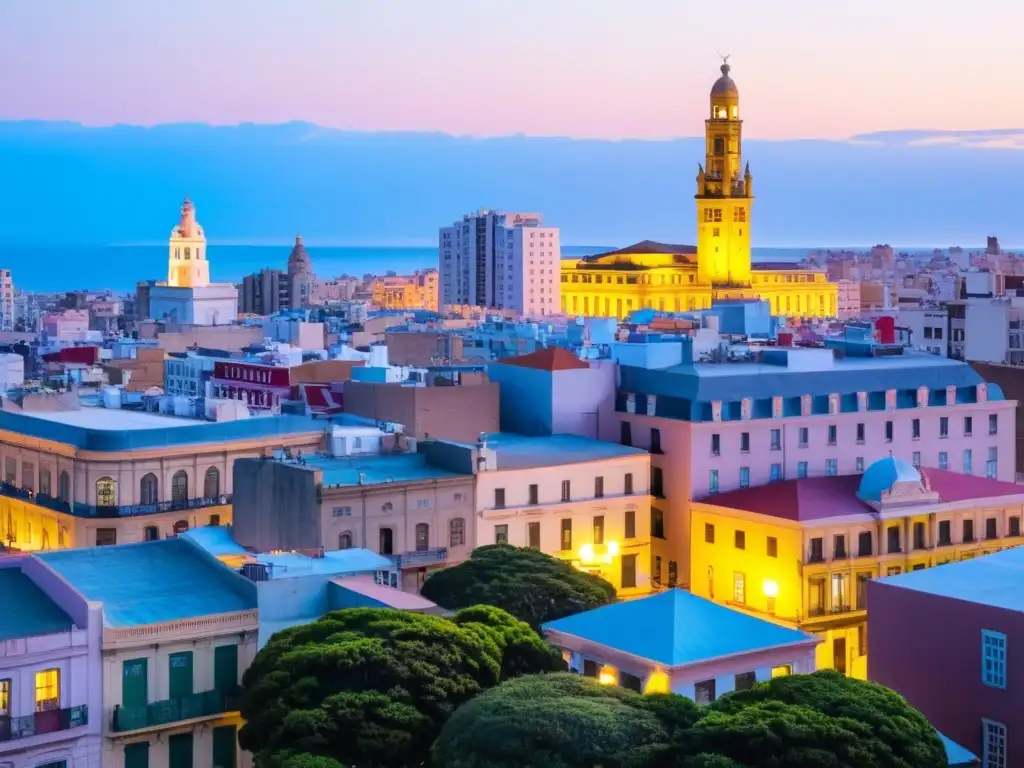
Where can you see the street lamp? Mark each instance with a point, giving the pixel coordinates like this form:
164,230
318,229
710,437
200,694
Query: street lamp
770,588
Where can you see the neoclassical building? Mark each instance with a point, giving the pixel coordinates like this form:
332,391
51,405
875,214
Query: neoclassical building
680,278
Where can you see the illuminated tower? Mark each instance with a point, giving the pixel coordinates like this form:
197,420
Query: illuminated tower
187,264
724,192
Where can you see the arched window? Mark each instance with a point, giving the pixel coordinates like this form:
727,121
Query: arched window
65,487
456,532
422,537
211,483
149,489
151,533
45,488
179,486
386,542
106,492
345,540
180,527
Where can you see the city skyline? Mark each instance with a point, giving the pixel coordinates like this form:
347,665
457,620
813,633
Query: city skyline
597,69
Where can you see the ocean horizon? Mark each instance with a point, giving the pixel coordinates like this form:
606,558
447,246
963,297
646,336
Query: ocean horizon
49,269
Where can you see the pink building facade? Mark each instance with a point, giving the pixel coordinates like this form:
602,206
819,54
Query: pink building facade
70,325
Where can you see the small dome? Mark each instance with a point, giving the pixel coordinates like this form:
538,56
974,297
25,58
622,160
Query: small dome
724,86
298,260
883,475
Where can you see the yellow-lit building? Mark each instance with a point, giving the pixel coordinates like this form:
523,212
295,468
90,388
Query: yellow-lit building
802,551
415,291
679,278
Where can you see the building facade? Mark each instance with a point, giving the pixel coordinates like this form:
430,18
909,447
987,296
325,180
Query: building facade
262,387
301,279
6,300
264,293
416,291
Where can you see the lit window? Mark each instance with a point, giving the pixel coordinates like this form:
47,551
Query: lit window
993,659
47,690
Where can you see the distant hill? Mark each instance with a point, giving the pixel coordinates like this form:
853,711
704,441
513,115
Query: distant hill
62,183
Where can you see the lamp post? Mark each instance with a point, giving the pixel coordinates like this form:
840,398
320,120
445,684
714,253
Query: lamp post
771,591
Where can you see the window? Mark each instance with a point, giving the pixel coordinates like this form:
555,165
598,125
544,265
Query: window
657,523
919,537
739,588
106,537
598,487
149,489
11,471
831,467
704,692
211,483
858,464
801,469
744,442
915,459
630,682
776,440
915,429
860,433
992,464
862,640
893,533
456,532
44,482
499,498
533,535
993,424
816,596
945,536
840,599
744,477
47,690
716,445
968,426
712,481
783,671
630,532
803,437
1014,526
566,491
833,434
28,476
501,534
993,748
968,532
106,492
599,529
179,487
817,553
566,534
740,540
5,697
625,433
968,462
862,590
772,548
150,533
422,537
839,546
385,542
673,573
993,658
709,533
345,540
944,426
943,460
990,528
888,431
864,547
655,440
629,484
628,571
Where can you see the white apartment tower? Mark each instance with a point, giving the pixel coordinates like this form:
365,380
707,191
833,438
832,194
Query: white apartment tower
6,300
503,261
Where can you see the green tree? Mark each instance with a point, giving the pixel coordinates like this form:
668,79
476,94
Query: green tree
293,760
523,651
559,721
366,686
533,587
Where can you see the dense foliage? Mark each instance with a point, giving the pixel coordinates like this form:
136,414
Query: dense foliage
373,686
291,760
530,585
807,721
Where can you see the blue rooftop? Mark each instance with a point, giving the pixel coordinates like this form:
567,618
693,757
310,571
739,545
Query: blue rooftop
882,475
27,611
152,582
217,540
996,580
676,628
522,452
376,469
107,429
957,756
342,562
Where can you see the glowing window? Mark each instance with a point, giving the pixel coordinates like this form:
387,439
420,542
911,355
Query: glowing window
47,690
735,111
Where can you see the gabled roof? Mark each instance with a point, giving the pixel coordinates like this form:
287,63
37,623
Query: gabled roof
27,610
649,246
676,628
548,359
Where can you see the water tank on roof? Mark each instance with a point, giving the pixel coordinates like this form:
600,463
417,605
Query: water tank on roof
111,397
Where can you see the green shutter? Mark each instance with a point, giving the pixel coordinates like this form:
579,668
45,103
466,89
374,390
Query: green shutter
136,755
180,674
225,667
134,686
225,741
179,751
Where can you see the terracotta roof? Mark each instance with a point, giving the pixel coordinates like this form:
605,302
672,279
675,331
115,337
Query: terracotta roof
649,246
548,359
818,498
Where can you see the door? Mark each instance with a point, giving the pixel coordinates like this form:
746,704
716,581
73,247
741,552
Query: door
136,755
225,739
179,751
225,667
180,674
134,686
839,654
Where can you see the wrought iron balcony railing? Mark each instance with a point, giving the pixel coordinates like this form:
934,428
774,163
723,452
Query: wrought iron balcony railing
168,711
51,721
119,510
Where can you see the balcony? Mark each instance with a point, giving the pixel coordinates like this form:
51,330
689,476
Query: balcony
158,713
124,510
420,558
51,721
817,611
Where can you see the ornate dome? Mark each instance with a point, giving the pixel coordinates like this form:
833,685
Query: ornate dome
724,86
298,260
883,475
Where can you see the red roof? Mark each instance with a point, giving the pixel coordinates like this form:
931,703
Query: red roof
818,498
78,355
320,398
549,359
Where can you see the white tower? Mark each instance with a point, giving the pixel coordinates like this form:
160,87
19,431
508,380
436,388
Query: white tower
187,265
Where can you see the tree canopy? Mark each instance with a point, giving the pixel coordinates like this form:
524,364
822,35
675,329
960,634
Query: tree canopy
373,686
530,585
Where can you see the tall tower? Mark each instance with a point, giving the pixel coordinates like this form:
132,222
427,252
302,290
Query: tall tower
187,264
724,192
300,276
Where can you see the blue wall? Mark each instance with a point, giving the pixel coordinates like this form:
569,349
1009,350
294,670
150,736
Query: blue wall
527,400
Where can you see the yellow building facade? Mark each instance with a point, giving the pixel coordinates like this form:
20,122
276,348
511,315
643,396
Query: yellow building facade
679,278
416,291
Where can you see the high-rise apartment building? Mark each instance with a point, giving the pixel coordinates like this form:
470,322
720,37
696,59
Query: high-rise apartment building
264,292
6,300
501,260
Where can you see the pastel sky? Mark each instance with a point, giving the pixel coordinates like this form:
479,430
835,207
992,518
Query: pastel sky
585,68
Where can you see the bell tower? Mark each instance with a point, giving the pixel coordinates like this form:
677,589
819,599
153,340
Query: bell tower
724,191
187,266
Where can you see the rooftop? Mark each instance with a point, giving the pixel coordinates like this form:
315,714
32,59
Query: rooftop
957,756
521,452
376,469
27,611
291,565
995,580
649,246
152,582
677,628
548,359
